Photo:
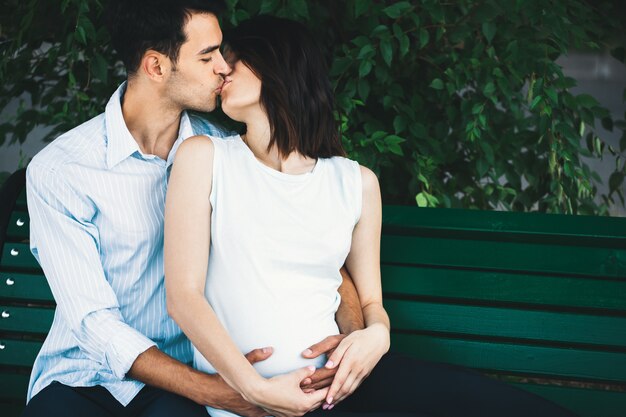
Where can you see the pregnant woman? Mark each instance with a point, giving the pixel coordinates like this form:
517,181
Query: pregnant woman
257,227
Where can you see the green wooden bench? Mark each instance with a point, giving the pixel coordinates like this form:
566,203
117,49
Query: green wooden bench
537,300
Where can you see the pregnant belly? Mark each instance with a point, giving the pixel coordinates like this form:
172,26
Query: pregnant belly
288,347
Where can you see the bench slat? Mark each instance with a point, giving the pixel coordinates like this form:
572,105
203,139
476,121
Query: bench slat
585,402
19,226
19,286
508,323
550,362
20,203
18,352
13,386
26,319
504,256
11,410
611,230
560,291
18,255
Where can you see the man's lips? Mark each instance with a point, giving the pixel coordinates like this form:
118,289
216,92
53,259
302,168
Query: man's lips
221,87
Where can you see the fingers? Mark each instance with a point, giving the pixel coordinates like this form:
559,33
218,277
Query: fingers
337,356
329,343
324,383
317,397
319,375
301,374
258,355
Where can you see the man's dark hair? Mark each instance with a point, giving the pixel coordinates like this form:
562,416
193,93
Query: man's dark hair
136,26
295,90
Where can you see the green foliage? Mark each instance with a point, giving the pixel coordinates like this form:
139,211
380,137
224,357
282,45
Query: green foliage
453,104
57,61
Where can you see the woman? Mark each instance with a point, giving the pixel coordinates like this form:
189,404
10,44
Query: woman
258,226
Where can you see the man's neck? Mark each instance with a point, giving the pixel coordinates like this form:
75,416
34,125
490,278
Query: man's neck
151,120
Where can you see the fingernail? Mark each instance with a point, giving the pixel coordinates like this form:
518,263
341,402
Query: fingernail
330,407
325,406
330,364
306,381
265,350
307,352
311,368
329,400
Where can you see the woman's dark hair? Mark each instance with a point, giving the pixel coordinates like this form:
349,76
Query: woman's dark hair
136,26
295,90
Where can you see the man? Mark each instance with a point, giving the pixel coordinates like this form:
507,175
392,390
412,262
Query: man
96,197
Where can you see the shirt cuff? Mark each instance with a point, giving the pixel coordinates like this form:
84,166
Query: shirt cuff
123,348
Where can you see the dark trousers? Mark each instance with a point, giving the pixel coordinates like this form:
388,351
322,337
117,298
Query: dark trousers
399,386
404,386
58,400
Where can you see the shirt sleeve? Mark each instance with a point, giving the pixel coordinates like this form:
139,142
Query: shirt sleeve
65,242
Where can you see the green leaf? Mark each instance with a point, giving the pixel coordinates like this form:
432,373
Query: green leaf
489,89
393,143
402,38
481,167
489,30
398,9
615,181
268,6
437,84
361,6
399,124
552,95
386,50
607,123
300,7
100,67
367,51
585,100
488,150
421,200
424,38
80,35
535,102
365,68
619,53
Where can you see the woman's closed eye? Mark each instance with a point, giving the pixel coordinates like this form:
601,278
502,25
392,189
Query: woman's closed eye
206,59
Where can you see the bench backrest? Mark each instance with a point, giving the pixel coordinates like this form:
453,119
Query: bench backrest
26,304
537,299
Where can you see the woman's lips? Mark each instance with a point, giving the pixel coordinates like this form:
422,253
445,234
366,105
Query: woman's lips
223,86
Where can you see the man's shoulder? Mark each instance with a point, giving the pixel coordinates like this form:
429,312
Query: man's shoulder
74,145
201,125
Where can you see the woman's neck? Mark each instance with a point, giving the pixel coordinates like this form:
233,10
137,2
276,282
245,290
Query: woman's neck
258,136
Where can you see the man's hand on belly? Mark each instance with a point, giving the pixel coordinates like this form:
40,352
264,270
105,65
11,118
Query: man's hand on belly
322,377
231,400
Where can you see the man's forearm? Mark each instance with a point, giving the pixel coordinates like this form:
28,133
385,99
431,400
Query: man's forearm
349,315
157,369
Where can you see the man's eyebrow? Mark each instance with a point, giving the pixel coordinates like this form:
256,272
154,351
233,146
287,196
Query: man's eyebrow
208,49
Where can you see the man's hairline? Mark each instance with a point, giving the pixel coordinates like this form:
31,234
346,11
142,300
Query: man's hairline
188,14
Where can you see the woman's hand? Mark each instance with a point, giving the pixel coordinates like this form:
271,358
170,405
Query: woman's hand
281,396
356,356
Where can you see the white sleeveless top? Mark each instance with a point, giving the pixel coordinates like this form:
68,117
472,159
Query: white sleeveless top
277,244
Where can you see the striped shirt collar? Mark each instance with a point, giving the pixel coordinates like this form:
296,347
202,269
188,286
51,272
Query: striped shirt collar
120,142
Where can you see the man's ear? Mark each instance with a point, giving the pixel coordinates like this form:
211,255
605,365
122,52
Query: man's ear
155,65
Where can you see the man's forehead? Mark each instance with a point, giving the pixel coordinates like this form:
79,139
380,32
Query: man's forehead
203,31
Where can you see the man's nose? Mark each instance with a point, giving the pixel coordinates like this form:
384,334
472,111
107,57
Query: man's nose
222,66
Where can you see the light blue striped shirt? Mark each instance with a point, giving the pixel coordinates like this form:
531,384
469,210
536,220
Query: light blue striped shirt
96,206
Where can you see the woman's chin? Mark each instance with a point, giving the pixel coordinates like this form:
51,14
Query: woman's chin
230,112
